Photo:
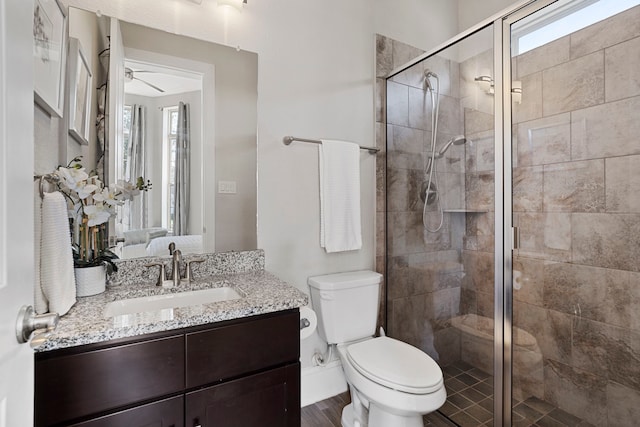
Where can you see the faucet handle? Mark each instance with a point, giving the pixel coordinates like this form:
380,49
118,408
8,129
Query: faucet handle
163,275
188,273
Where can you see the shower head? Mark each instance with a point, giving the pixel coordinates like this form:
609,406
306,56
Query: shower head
456,140
427,76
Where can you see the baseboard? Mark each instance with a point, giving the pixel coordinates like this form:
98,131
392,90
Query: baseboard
322,382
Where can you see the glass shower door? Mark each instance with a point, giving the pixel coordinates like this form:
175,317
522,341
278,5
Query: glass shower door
440,201
575,109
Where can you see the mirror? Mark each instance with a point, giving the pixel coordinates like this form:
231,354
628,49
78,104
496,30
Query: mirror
182,113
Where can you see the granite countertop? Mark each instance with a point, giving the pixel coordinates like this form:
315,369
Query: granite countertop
85,323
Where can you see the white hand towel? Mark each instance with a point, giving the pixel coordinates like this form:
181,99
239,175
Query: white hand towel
40,301
57,280
340,226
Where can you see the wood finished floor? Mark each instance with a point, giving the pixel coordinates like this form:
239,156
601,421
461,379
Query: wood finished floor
327,413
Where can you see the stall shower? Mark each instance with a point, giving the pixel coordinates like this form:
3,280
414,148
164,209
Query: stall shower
532,144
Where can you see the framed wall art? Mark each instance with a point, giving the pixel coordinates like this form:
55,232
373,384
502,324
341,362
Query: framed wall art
80,79
49,54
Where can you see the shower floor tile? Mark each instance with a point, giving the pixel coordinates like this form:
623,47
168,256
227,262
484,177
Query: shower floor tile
470,402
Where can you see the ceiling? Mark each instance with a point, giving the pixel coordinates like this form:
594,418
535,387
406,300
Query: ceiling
171,81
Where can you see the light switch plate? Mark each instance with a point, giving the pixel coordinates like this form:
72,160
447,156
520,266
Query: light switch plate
227,187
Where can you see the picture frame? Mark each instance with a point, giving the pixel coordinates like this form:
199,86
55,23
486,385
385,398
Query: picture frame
80,79
49,55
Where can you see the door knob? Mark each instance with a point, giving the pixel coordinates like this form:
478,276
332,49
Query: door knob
29,322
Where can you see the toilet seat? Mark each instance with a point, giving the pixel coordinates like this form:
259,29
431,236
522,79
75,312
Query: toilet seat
396,365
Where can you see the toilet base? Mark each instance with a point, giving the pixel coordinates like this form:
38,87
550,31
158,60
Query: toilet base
379,418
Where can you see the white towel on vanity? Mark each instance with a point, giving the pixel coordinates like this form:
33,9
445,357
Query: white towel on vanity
57,281
340,226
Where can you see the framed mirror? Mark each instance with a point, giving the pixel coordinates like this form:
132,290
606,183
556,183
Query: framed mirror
181,113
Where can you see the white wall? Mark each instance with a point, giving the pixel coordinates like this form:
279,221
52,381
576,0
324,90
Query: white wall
420,23
470,12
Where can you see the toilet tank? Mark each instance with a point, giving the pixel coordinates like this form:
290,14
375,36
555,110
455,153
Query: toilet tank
346,304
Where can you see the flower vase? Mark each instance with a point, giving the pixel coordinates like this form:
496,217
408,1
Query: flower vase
90,280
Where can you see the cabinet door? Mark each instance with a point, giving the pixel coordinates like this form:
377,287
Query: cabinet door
70,387
268,399
230,351
165,413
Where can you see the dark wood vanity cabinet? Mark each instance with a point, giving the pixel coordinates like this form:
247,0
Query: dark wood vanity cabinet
239,373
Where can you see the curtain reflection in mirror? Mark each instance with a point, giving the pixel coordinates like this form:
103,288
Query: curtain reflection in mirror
182,173
135,217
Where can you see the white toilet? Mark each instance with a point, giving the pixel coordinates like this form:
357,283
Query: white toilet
392,383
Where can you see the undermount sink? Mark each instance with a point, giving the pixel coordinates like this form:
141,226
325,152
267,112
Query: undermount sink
160,303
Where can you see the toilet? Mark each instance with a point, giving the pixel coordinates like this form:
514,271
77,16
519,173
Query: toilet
392,383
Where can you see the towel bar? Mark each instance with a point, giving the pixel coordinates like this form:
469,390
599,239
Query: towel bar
287,140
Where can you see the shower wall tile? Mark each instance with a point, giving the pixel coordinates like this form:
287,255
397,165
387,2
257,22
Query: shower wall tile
578,392
544,235
606,130
573,85
479,191
609,351
406,139
404,187
574,186
403,53
380,233
412,326
600,294
485,153
419,109
479,268
552,330
397,104
623,405
544,141
605,240
614,30
621,64
476,121
484,139
634,286
447,345
384,56
450,116
622,183
454,159
407,235
526,192
381,100
546,56
442,67
528,280
531,106
452,190
380,182
486,306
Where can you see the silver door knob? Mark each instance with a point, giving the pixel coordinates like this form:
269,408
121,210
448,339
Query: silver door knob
29,322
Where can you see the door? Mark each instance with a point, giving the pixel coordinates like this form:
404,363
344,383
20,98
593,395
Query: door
16,211
575,173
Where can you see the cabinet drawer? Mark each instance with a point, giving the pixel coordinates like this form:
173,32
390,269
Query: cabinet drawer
267,399
76,385
250,346
165,413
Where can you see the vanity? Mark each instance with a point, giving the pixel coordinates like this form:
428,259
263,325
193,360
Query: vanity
230,362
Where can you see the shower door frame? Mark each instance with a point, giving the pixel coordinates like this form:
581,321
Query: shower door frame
506,236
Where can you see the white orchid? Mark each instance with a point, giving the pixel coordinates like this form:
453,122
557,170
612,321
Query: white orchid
97,214
108,195
127,190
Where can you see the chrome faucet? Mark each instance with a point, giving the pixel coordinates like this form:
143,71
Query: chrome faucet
175,271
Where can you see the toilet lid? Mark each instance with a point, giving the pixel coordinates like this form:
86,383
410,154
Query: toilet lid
396,365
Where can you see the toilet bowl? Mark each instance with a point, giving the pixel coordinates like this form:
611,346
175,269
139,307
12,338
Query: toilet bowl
392,383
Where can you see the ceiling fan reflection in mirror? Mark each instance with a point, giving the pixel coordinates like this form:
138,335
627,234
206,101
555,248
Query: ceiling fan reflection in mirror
130,76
